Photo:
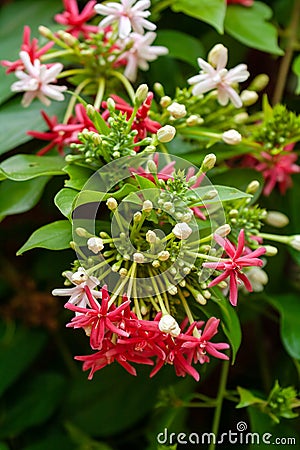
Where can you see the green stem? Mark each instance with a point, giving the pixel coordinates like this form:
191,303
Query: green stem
275,237
288,56
56,54
125,83
186,307
70,72
220,398
72,102
100,92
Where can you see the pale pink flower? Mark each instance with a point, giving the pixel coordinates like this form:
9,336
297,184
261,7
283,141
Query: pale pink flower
130,16
35,81
216,76
140,53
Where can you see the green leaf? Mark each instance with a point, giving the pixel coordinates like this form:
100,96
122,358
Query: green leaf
181,46
16,121
250,26
40,396
53,236
296,70
87,196
209,11
53,439
225,194
17,197
288,307
64,201
78,176
19,347
83,440
247,398
26,167
230,321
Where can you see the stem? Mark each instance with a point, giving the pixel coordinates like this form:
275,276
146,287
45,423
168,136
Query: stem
275,237
288,56
220,398
56,54
100,92
125,83
72,102
186,307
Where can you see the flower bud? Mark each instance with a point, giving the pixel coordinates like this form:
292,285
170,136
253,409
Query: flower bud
151,237
223,230
182,230
241,118
95,244
147,206
249,97
68,38
123,272
295,242
165,101
194,120
168,324
253,187
260,82
276,219
79,276
163,255
44,31
111,104
208,162
82,232
200,299
217,53
210,194
112,203
177,110
151,166
231,137
138,257
137,217
271,250
166,133
141,94
159,89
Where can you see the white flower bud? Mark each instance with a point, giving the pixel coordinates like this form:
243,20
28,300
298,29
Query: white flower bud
137,217
249,97
217,53
182,230
258,278
200,299
194,120
95,244
163,255
241,117
271,250
151,237
177,110
253,187
232,137
223,230
210,194
82,232
295,242
80,276
141,93
151,166
165,101
168,324
172,289
208,162
138,257
156,264
166,133
147,206
123,272
112,203
276,219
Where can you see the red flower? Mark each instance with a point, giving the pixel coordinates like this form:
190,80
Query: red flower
99,319
142,123
29,47
76,21
232,266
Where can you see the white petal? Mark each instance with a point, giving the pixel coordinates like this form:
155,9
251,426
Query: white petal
124,27
27,98
52,72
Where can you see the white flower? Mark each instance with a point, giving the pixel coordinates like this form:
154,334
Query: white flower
232,137
77,294
35,81
182,230
215,76
129,16
140,53
166,133
295,242
168,324
95,244
138,258
147,206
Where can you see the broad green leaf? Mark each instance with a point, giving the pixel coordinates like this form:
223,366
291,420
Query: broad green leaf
288,307
19,347
40,397
64,201
251,27
16,121
25,167
53,236
209,11
50,440
247,398
181,46
78,176
230,321
296,70
225,194
17,197
87,196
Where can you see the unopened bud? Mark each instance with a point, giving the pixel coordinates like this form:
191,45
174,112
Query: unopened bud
253,187
223,230
123,272
151,237
276,219
82,232
200,299
163,255
217,53
137,217
147,206
172,289
295,242
259,82
44,31
210,194
68,38
159,89
249,97
168,324
166,133
182,230
111,104
241,118
138,257
95,244
208,162
194,120
231,137
79,276
177,110
90,110
141,94
112,203
151,166
165,101
271,250
156,264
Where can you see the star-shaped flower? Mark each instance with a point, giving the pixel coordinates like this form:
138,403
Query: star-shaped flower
75,20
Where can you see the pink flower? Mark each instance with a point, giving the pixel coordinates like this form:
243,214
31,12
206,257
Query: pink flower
129,16
99,319
142,122
76,21
233,265
240,2
29,47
